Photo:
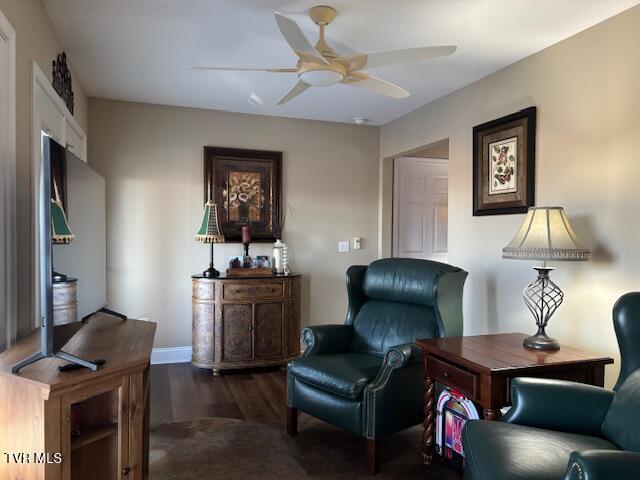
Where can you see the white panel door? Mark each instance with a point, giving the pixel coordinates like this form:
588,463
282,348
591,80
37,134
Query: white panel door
420,208
8,320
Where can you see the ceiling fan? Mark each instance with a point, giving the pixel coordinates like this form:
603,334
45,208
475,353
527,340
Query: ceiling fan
321,66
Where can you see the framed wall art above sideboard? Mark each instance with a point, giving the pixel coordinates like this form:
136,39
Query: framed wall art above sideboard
247,186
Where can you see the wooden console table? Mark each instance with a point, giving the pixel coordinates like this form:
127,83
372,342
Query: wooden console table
79,424
481,368
243,322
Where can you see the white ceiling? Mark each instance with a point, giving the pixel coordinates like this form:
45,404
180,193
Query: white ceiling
137,50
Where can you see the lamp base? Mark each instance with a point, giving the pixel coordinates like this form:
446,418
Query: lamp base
542,297
540,341
211,273
58,277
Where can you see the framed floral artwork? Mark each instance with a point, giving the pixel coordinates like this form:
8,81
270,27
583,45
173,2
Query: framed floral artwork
246,184
504,156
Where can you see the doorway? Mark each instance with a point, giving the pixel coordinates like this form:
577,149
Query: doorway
420,203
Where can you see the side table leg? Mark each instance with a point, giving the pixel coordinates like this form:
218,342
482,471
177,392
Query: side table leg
429,433
492,414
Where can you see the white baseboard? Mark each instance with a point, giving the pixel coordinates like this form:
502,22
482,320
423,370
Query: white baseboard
170,355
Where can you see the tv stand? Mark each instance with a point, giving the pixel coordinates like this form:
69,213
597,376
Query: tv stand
98,421
121,316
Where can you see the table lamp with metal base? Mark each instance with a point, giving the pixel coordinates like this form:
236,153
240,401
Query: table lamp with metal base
545,234
210,232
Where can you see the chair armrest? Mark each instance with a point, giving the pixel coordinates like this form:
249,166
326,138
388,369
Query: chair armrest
558,405
324,339
393,400
603,465
396,357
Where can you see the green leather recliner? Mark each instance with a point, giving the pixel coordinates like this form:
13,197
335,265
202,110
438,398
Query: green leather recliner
365,376
559,430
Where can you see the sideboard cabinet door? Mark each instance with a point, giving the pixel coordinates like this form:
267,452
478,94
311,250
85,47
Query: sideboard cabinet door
268,330
237,332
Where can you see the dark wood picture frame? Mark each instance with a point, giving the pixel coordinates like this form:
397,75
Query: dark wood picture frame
520,127
220,163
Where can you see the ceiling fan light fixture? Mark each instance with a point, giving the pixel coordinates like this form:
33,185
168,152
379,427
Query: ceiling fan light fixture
321,78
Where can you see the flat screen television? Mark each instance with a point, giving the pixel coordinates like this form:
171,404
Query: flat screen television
68,182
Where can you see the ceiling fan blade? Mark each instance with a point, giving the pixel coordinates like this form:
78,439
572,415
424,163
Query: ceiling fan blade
375,84
296,39
248,69
393,57
297,89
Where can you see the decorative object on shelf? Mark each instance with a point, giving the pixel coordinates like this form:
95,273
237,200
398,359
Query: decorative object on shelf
453,411
281,266
285,260
61,233
279,249
62,83
545,234
248,266
246,239
210,232
504,158
247,186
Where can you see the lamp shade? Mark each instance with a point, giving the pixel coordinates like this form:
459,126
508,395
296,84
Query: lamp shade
60,231
209,231
546,234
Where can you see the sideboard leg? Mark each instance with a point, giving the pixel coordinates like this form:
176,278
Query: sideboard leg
429,433
292,421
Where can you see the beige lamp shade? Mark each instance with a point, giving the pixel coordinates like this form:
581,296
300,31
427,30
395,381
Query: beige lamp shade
210,231
546,234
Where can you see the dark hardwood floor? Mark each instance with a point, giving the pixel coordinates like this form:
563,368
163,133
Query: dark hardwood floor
180,392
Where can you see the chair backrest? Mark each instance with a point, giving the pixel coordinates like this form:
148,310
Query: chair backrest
622,423
626,322
402,300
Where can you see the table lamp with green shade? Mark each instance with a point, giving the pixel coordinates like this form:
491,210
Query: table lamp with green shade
545,235
210,232
61,233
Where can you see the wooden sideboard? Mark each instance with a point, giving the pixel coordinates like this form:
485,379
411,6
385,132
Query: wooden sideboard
244,322
65,302
79,424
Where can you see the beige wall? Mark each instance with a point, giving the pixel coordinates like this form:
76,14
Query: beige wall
36,40
588,160
152,158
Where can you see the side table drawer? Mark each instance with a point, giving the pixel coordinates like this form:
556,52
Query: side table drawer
452,376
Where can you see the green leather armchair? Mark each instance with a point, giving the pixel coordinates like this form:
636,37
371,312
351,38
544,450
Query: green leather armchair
559,430
365,376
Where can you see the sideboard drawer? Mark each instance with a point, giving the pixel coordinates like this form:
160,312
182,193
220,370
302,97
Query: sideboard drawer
203,290
452,376
244,291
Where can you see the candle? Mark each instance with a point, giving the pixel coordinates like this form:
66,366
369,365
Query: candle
246,234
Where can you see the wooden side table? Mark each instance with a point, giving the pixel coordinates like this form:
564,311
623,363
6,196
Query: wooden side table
481,367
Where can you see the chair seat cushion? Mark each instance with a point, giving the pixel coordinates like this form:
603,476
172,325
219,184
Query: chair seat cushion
506,451
344,374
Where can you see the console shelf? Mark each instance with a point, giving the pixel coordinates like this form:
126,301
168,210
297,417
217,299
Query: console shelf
93,434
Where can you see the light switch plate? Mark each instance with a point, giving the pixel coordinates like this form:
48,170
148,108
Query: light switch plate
343,246
357,243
